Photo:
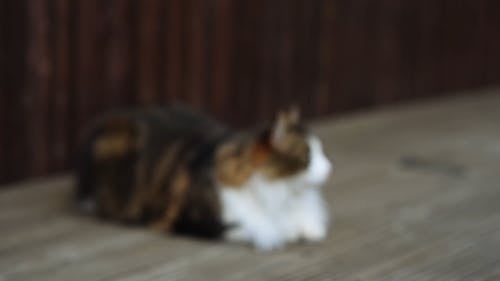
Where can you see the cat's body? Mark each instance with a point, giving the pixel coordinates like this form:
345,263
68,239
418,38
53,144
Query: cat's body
182,172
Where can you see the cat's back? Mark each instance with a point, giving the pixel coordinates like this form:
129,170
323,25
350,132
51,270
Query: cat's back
157,125
133,158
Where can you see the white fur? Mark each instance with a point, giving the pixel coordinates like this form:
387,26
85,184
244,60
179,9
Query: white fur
268,214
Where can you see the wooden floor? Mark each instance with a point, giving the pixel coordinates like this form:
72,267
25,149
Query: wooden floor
415,193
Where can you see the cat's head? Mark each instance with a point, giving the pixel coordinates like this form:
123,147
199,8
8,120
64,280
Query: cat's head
293,151
284,150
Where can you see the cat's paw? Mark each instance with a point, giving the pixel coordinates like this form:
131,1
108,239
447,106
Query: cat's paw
293,236
237,234
267,240
292,233
314,232
268,243
263,239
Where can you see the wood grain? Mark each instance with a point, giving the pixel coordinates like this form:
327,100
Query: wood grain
174,50
119,49
64,62
40,76
59,147
414,194
148,58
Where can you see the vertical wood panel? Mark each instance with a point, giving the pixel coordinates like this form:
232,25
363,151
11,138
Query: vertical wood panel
283,55
388,51
326,49
65,61
223,53
312,16
493,42
266,59
119,52
174,48
340,54
3,88
481,47
428,45
244,65
408,31
473,47
16,139
88,63
61,56
38,92
458,37
362,48
148,52
286,89
299,71
271,59
196,56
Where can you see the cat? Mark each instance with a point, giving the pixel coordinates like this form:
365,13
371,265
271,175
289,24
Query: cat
179,171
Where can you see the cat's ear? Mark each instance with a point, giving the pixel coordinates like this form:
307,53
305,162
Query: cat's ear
279,128
294,114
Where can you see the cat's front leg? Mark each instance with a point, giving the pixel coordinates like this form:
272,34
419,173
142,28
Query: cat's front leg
312,216
251,223
261,237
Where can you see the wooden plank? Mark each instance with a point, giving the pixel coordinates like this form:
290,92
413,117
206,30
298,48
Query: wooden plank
59,145
240,60
288,33
3,88
90,63
362,52
223,54
492,42
38,93
409,204
326,50
16,92
342,53
408,34
428,73
285,35
245,63
475,53
195,82
460,28
175,50
119,57
148,51
266,60
388,52
482,46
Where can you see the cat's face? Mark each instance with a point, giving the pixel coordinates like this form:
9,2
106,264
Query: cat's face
284,151
295,152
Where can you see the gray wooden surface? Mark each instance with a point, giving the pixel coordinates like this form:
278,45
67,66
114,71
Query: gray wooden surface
415,193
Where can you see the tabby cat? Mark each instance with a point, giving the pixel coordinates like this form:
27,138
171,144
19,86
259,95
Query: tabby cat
179,171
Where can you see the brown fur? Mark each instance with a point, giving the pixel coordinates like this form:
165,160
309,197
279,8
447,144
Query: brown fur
276,156
161,166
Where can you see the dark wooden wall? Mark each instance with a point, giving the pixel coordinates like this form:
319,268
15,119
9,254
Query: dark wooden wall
63,62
